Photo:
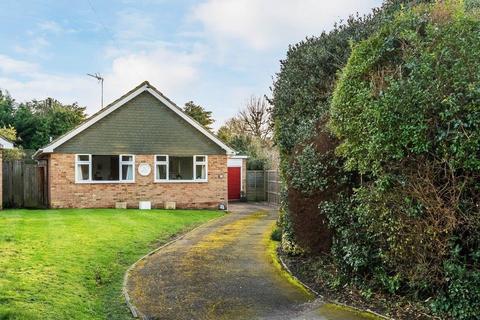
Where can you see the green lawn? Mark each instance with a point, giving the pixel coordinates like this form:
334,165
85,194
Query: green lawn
69,264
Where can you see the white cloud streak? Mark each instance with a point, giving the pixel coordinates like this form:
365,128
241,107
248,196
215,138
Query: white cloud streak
263,24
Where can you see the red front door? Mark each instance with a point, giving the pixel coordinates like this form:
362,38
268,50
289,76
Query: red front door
234,177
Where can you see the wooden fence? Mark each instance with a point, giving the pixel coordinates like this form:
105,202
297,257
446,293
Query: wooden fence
24,185
263,186
273,186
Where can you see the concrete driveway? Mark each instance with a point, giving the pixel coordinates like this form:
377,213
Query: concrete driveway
222,270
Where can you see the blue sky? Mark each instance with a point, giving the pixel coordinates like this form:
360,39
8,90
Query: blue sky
215,52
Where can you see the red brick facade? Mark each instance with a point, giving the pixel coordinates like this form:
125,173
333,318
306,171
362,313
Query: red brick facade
65,193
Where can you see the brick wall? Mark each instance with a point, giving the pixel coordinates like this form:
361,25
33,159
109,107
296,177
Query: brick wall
65,193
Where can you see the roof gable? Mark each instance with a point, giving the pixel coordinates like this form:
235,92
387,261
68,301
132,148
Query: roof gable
144,89
5,144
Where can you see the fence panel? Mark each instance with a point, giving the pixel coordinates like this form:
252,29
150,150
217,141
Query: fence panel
256,185
24,185
273,186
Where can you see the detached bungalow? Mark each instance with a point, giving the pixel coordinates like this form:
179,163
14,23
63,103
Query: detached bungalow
140,148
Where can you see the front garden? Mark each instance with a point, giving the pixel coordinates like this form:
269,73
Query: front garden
69,264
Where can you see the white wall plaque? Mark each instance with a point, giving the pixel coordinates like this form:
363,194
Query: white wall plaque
144,169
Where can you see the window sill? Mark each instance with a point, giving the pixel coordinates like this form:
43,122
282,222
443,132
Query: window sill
180,181
104,182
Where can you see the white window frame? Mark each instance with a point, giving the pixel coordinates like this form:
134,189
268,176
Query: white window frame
195,163
90,165
132,163
167,162
84,162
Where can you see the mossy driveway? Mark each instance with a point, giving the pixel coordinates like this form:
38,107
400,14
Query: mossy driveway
222,270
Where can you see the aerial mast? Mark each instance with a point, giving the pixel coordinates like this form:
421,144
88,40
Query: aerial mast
100,79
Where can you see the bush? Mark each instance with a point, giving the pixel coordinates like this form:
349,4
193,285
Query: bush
406,112
276,234
301,98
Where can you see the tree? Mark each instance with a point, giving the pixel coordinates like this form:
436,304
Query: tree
38,121
232,127
8,133
249,133
6,109
255,118
11,154
198,113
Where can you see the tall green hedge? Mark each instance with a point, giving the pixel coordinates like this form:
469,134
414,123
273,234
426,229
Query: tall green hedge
394,177
407,112
302,93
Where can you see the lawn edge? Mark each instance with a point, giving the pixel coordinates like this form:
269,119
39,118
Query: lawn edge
133,310
336,304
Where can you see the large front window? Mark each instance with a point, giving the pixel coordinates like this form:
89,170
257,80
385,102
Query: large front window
178,168
104,168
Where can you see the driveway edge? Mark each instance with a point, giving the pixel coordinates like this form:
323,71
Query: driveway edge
287,269
133,310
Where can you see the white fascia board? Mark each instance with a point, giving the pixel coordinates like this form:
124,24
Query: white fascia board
238,157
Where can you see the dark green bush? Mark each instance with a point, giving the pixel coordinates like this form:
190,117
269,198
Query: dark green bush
301,98
276,234
406,110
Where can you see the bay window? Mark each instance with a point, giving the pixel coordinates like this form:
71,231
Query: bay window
180,168
104,168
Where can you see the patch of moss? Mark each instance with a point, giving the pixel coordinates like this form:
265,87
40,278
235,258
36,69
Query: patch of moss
340,312
271,247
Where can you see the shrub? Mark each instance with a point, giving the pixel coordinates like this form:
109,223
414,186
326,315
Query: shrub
301,98
406,112
276,234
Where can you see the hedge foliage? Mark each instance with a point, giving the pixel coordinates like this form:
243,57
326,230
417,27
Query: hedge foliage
399,90
301,97
407,112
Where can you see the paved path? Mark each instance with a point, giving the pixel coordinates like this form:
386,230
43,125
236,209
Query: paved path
221,270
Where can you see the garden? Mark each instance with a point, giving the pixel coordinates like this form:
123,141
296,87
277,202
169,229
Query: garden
70,263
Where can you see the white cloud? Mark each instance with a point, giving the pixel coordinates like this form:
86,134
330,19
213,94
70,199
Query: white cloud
19,67
132,25
171,72
50,27
263,24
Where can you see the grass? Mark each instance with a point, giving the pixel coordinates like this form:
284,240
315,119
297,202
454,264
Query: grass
69,264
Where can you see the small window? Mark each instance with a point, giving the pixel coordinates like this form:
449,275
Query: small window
200,167
83,167
161,168
83,157
127,164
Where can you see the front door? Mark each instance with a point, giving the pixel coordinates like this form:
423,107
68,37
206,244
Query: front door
234,181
